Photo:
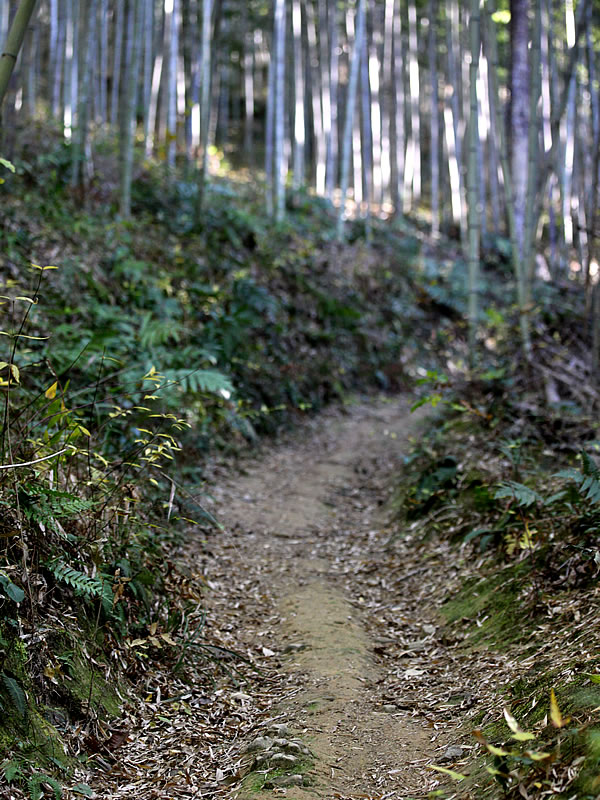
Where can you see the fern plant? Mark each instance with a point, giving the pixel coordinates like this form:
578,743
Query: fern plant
586,479
15,693
83,584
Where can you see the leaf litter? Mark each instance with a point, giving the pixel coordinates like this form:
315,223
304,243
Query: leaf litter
306,518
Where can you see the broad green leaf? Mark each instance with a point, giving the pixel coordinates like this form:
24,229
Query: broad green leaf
594,677
8,164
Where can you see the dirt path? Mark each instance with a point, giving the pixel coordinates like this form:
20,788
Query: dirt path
305,512
360,686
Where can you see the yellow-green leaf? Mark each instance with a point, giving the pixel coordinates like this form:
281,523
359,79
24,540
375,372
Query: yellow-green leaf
50,393
456,776
518,734
37,266
496,751
536,755
15,372
555,715
594,677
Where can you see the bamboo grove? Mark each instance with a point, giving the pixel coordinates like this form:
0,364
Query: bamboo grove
482,120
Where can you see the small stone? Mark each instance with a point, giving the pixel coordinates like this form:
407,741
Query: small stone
288,780
280,743
260,743
389,708
429,629
282,760
294,648
452,753
293,747
280,731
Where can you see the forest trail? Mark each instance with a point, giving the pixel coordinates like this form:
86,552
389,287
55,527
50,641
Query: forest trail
330,671
305,521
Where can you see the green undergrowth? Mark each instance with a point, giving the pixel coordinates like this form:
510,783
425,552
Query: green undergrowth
135,353
518,496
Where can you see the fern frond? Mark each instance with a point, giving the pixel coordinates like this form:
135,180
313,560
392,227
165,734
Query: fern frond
36,791
41,504
587,480
82,583
16,693
201,381
155,332
523,495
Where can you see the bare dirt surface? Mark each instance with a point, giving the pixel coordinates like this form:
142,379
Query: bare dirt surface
328,672
299,512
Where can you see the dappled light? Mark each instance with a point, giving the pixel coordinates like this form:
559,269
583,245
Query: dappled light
299,451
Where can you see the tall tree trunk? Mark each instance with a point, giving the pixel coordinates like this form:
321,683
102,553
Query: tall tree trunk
128,112
349,118
518,265
299,123
399,148
412,170
474,214
387,83
248,68
14,40
375,116
148,30
270,138
205,71
119,26
333,139
103,64
318,79
56,76
279,119
434,118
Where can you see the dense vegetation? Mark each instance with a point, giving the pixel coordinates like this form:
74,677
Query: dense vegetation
157,320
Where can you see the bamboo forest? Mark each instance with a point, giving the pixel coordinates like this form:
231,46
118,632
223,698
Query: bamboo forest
299,389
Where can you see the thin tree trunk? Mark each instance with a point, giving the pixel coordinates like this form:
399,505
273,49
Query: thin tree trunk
349,119
386,99
148,29
80,138
332,144
118,15
128,113
434,118
14,40
248,67
365,127
299,123
103,64
474,221
412,171
452,114
269,140
375,116
279,110
508,190
57,71
318,78
205,70
53,52
399,149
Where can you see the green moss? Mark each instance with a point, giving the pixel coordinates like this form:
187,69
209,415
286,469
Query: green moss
256,782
